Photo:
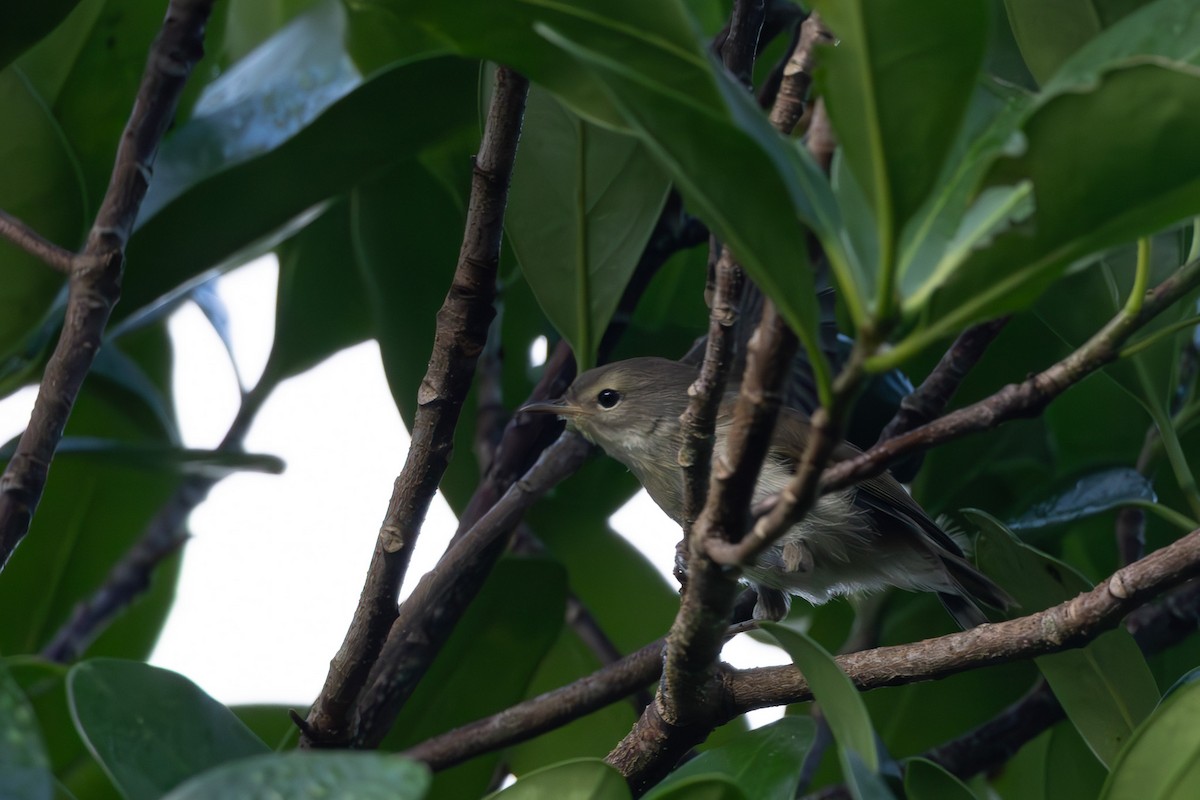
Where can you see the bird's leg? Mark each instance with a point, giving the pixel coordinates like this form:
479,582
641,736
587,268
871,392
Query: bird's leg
796,556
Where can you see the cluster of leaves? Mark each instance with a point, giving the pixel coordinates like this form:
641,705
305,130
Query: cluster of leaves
990,163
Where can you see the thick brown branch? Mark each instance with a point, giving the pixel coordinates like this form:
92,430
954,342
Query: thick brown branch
1025,399
430,613
95,282
935,392
31,242
462,326
544,712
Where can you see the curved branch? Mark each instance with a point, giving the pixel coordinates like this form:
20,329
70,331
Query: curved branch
96,273
462,326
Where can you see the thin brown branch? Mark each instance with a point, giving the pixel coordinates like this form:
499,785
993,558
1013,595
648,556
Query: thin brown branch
462,326
792,97
95,282
544,712
29,240
430,613
935,392
163,536
1026,399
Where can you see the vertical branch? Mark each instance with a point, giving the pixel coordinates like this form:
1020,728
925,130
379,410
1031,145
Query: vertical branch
462,325
95,282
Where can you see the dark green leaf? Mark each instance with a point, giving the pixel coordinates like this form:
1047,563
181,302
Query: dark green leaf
582,205
486,665
896,86
1162,759
702,787
152,729
839,698
1189,677
765,763
24,767
312,776
1091,494
39,183
271,723
318,280
387,119
25,23
863,782
1048,33
1091,193
925,780
583,779
1072,771
1105,688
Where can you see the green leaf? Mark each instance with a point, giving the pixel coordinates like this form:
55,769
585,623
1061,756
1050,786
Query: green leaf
1048,33
160,457
24,767
318,280
765,763
271,723
1106,688
386,120
1072,771
582,779
1162,759
1091,494
312,776
40,184
702,787
152,729
486,665
1105,189
839,698
26,23
581,208
863,782
896,86
925,780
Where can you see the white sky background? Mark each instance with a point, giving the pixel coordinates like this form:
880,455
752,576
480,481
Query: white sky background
273,571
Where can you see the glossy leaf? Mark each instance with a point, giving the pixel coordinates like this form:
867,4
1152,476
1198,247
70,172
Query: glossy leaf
486,665
1106,687
1091,494
1162,759
1072,770
583,779
150,728
39,184
271,723
896,86
24,767
839,698
261,201
312,776
581,208
702,787
1090,193
863,782
318,280
764,763
925,780
640,67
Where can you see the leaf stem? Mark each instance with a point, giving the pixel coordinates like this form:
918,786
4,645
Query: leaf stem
1141,279
1157,336
1169,514
1176,457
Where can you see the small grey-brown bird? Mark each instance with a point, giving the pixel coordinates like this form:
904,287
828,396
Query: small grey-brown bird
858,540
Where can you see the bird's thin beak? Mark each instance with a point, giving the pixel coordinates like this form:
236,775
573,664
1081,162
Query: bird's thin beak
560,407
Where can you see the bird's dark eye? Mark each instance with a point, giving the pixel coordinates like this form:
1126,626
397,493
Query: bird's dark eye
608,398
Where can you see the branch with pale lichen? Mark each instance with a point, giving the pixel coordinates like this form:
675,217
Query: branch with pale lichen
462,326
95,273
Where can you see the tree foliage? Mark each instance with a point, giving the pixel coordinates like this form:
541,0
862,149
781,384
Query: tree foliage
1018,160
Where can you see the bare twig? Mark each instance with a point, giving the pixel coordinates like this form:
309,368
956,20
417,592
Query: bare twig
428,616
1025,399
462,325
935,392
95,282
32,242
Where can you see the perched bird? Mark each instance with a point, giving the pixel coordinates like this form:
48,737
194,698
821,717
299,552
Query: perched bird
857,540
